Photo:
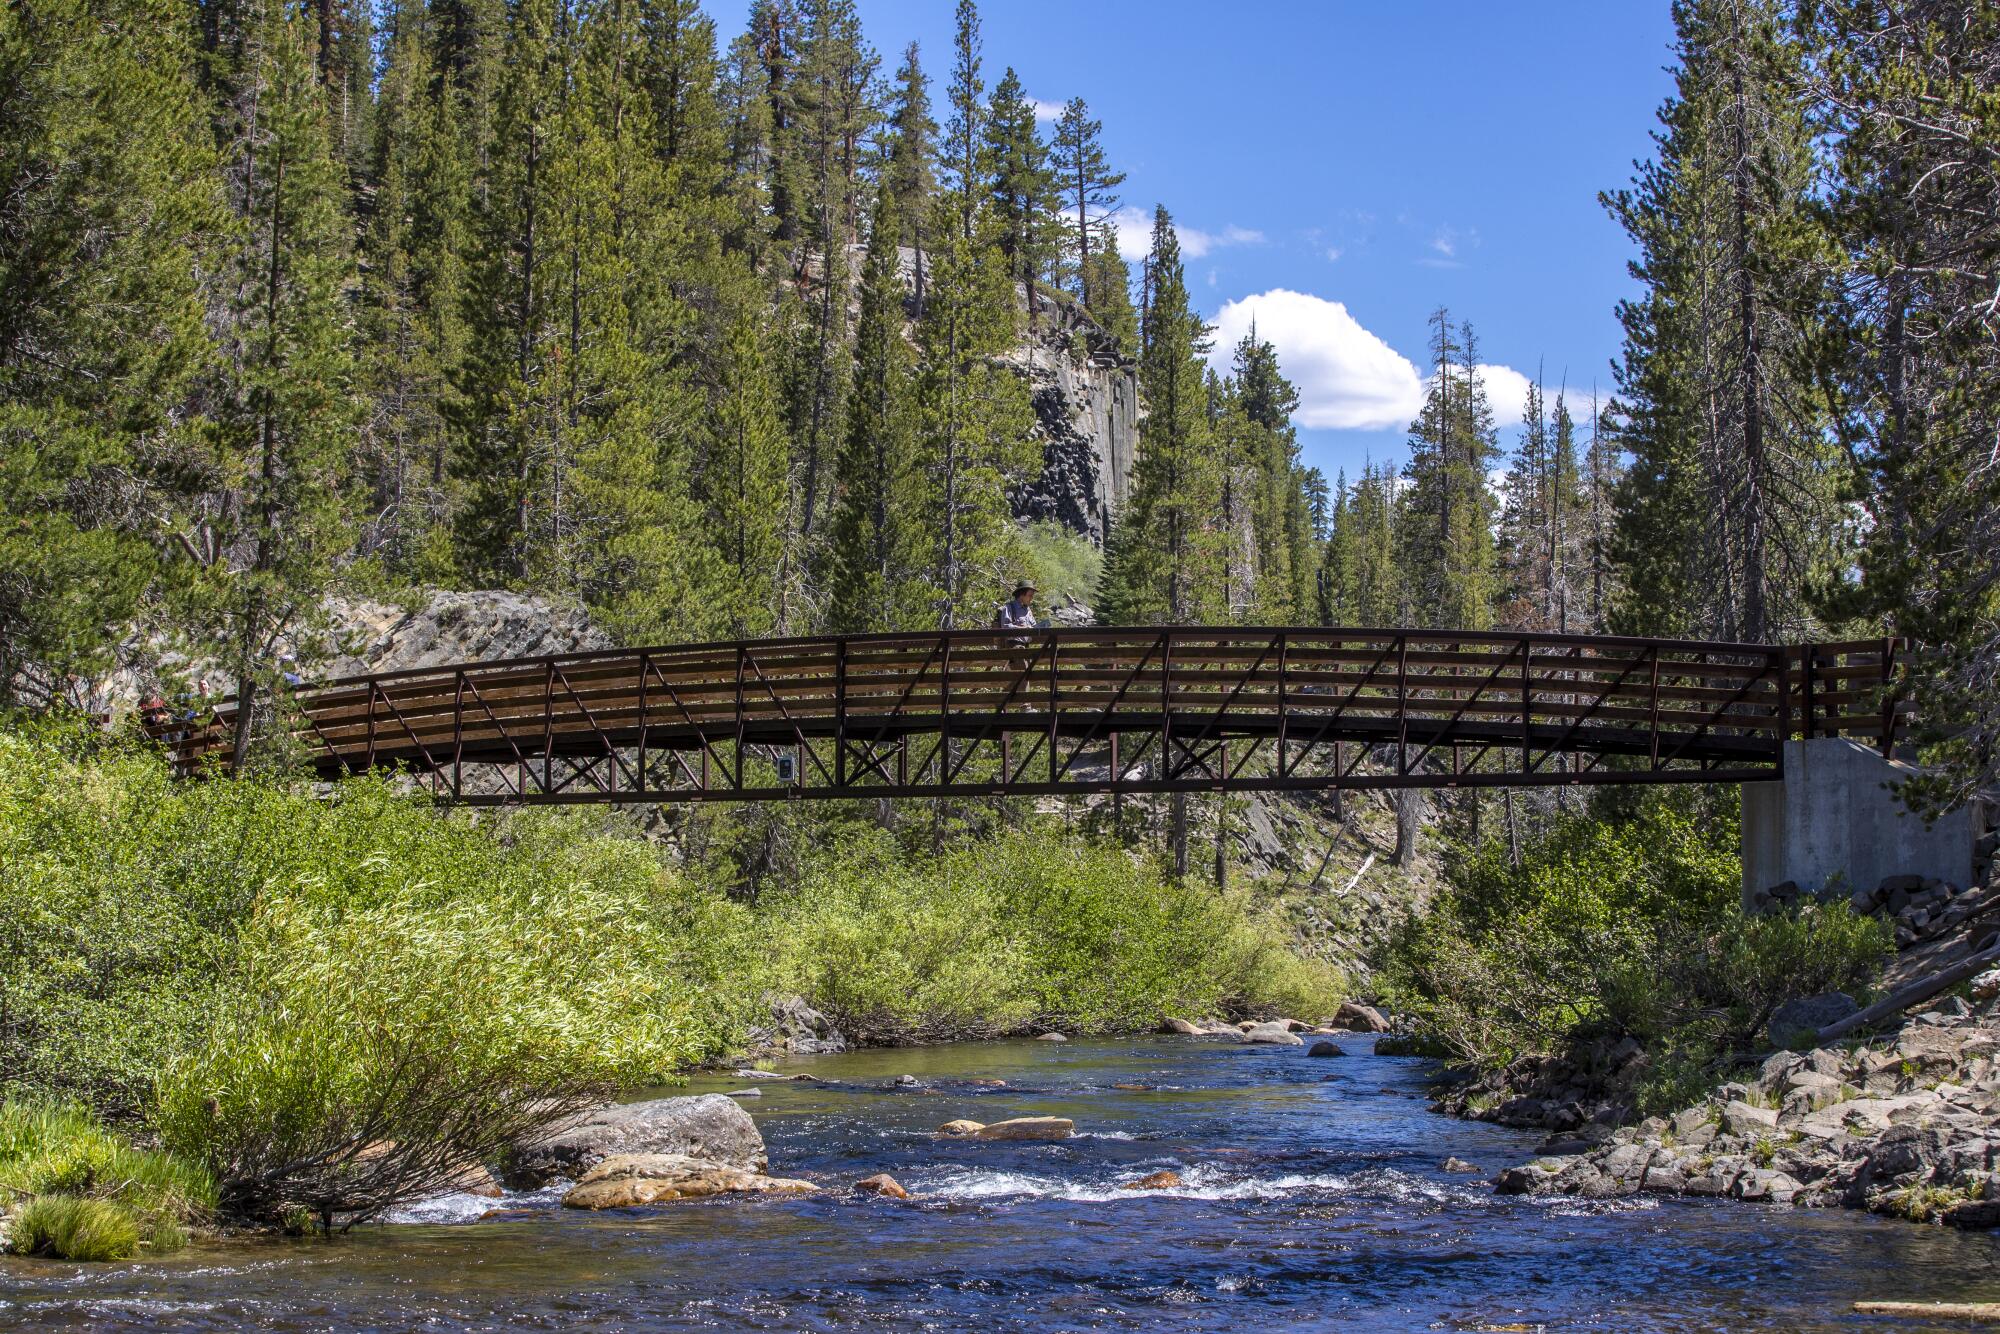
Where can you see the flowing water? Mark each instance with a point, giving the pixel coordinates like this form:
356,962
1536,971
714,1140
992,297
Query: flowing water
1313,1198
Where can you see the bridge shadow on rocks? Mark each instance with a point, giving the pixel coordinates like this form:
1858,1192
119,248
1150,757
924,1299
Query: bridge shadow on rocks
1071,711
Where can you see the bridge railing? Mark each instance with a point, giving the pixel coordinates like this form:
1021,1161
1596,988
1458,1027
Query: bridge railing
1106,709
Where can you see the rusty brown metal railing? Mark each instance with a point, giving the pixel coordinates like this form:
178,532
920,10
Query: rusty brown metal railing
1156,709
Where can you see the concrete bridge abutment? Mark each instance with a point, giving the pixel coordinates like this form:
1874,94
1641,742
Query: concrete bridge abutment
1834,824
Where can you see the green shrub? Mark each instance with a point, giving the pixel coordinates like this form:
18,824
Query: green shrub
1061,563
1030,929
65,1227
370,1050
1621,921
328,1002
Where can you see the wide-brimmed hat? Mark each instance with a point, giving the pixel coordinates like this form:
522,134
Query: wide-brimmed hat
1024,587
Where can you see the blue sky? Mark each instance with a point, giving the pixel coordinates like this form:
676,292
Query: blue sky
1345,168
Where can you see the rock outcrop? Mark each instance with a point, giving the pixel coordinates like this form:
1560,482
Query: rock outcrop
710,1127
1907,1125
451,626
796,1029
1087,415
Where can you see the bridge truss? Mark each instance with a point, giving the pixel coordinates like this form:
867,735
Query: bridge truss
1072,711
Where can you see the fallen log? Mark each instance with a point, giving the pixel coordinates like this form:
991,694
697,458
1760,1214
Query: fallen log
1984,1311
1920,990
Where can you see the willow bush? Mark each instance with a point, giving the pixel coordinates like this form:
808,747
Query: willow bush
1623,920
331,1000
1031,928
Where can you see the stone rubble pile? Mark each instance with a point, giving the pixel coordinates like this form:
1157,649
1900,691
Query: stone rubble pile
1919,908
1907,1124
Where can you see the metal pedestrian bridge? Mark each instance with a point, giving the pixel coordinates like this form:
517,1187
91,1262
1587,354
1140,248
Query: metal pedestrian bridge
1073,711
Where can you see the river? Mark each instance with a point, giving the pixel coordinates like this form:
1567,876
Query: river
1314,1198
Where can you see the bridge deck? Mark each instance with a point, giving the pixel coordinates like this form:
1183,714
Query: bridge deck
1074,710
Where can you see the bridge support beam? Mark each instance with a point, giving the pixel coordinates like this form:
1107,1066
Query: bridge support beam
1833,824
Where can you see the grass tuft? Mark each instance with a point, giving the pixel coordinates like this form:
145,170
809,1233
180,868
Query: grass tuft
68,1227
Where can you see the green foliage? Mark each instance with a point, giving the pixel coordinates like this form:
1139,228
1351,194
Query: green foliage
110,196
325,1006
304,976
1621,922
87,1185
1061,563
1445,515
368,1053
67,1228
1167,559
1030,929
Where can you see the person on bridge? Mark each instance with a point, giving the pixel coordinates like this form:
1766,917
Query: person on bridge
1017,613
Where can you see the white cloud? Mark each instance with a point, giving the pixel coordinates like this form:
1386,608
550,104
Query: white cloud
1046,110
1135,235
1348,379
1333,254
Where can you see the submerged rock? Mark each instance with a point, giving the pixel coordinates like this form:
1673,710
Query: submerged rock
710,1126
1167,1180
884,1185
1459,1165
628,1180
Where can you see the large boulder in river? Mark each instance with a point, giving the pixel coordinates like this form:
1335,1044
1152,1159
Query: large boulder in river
628,1180
1276,1034
711,1127
1357,1018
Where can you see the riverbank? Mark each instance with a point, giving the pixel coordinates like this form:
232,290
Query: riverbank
1305,1203
1906,1124
332,1001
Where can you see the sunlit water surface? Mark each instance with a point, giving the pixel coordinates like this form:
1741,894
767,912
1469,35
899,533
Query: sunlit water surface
1314,1198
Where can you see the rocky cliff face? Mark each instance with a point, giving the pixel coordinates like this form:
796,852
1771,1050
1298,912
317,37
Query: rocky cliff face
1087,416
452,627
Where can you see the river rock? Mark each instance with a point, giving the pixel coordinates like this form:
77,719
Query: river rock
884,1185
1016,1128
1359,1018
1324,1049
1052,1037
1028,1128
1459,1165
1182,1027
1276,1034
628,1180
710,1126
1167,1180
